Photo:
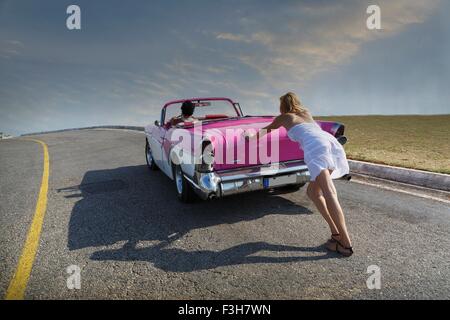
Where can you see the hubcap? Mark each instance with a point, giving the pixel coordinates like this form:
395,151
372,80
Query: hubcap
179,180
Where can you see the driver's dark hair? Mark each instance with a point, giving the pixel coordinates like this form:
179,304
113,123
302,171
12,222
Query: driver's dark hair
187,108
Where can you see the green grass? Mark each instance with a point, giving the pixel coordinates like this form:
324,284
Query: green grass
418,142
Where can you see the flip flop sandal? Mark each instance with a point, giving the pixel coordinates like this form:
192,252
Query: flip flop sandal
332,239
331,243
345,254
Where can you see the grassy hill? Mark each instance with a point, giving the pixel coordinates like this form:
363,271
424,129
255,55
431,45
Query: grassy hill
419,142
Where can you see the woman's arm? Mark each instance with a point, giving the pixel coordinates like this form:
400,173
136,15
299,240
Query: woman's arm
276,123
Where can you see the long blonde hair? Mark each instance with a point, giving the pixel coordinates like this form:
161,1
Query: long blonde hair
290,103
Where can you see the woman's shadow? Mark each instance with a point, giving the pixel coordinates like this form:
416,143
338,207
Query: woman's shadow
132,205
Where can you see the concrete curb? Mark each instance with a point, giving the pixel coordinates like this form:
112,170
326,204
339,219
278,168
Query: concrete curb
410,176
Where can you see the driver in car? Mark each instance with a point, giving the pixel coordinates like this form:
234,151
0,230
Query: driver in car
187,110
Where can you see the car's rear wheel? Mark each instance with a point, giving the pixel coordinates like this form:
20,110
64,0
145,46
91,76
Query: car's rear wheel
184,190
149,157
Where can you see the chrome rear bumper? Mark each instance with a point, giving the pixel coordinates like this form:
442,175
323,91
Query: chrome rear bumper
234,181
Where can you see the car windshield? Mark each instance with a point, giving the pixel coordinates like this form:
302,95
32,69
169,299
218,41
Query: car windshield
205,110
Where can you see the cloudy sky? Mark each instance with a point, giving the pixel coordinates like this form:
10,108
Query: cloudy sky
132,56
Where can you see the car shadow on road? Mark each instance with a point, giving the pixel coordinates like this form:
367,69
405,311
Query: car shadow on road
133,205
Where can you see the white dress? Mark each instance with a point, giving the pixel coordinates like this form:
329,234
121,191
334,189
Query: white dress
321,150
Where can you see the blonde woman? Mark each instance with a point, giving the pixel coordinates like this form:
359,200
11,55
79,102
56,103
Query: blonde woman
326,160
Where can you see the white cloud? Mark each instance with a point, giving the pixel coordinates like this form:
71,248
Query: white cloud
232,37
319,38
260,37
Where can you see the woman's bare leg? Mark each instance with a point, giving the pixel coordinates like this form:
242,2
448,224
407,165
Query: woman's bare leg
315,194
334,208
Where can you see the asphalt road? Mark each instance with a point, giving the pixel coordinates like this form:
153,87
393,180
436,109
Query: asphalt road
123,226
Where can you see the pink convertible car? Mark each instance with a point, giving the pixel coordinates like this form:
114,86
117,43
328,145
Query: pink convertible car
209,157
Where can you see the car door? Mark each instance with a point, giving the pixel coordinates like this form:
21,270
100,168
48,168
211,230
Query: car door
166,145
156,143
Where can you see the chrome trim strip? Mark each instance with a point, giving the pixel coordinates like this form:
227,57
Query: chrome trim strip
191,182
262,171
284,163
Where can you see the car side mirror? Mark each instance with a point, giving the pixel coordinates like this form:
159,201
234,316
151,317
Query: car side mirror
157,123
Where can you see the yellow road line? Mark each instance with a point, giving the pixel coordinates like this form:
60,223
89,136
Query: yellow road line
18,284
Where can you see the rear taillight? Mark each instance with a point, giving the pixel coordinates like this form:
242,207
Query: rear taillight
342,139
340,131
340,134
